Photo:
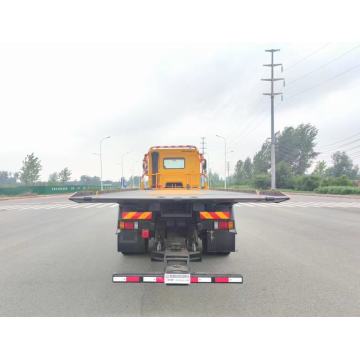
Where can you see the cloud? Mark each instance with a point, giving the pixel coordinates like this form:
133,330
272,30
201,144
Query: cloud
60,100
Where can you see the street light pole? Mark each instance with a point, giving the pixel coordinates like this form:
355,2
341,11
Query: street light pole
101,167
222,137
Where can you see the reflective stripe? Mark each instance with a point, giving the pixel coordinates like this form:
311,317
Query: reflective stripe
128,215
200,279
146,215
205,215
194,278
223,215
214,215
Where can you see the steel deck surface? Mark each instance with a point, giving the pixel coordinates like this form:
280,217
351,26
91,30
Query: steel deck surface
193,195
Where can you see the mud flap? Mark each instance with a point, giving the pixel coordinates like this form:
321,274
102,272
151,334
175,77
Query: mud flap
131,242
219,241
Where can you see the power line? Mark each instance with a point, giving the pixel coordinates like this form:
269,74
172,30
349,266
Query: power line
308,56
248,122
250,129
248,126
339,141
325,81
324,65
339,147
355,155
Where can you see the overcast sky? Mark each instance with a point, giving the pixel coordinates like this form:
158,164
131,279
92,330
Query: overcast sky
59,99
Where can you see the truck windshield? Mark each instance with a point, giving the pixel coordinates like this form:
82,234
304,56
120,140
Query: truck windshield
174,163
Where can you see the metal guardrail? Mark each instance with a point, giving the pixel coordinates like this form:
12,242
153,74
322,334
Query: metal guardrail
51,189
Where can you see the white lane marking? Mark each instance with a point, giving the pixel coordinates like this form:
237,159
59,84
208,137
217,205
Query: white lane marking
102,205
90,206
64,206
54,206
11,207
310,204
77,206
304,205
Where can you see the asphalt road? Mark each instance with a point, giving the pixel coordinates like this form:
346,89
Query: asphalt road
299,258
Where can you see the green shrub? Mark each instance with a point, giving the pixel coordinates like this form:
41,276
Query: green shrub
340,190
336,181
261,182
284,177
306,182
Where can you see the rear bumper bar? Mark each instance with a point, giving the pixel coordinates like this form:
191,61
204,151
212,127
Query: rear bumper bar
161,278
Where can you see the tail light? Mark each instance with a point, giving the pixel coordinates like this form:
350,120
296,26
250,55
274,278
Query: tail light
145,233
128,225
223,225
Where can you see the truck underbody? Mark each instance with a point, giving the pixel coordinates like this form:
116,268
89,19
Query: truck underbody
176,227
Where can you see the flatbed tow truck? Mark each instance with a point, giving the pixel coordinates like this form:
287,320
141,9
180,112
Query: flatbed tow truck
175,217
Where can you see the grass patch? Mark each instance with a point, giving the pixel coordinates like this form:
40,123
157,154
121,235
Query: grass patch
339,190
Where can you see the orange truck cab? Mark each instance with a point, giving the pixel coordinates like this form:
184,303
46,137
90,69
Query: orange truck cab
174,167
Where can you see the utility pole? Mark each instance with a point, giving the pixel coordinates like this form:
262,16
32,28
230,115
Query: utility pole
203,148
225,162
228,170
272,95
101,167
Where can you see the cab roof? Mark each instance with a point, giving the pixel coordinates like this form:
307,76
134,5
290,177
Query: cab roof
174,147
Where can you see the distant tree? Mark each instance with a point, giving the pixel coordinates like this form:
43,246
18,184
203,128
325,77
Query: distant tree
64,175
134,181
215,180
53,178
243,171
296,146
248,169
342,165
8,178
261,160
4,177
89,180
239,172
30,171
320,169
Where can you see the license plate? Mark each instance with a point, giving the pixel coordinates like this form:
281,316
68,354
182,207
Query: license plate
177,279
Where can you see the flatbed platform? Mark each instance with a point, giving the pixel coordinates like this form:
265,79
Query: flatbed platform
193,195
